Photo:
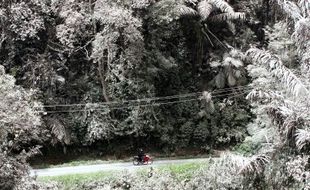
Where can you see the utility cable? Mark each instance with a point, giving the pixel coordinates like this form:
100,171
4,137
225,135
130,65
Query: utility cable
220,95
215,92
143,105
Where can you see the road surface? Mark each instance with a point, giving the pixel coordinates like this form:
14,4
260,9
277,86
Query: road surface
108,167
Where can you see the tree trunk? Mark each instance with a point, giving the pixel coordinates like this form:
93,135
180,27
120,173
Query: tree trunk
91,10
102,80
266,10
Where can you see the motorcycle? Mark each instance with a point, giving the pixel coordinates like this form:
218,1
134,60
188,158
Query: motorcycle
147,160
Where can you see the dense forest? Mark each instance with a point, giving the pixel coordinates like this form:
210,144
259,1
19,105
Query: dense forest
111,76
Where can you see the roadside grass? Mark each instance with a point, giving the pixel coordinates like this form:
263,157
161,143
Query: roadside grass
183,171
68,182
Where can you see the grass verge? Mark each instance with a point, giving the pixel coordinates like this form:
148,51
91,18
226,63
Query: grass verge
183,171
69,181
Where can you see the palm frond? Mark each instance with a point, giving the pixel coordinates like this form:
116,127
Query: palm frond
291,9
193,2
245,165
302,138
255,164
227,16
183,10
302,38
305,7
257,94
204,9
287,122
300,12
59,131
276,67
222,5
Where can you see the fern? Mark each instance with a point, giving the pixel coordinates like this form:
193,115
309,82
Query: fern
302,138
222,5
204,9
183,10
227,16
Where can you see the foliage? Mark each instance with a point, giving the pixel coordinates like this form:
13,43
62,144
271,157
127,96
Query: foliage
276,67
67,182
87,58
247,147
25,20
183,171
114,179
283,101
299,12
76,20
219,173
280,43
20,130
30,184
205,7
104,51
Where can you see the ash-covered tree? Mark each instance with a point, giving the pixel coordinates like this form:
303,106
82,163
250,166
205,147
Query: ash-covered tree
20,131
280,98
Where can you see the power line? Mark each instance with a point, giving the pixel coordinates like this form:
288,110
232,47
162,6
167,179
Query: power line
144,105
215,92
120,108
132,106
149,103
128,101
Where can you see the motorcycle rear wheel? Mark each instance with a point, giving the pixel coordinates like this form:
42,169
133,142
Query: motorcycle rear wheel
135,162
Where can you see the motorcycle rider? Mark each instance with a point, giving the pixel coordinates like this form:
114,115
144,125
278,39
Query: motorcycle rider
141,155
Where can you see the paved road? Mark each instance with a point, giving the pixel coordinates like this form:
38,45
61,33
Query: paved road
107,167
